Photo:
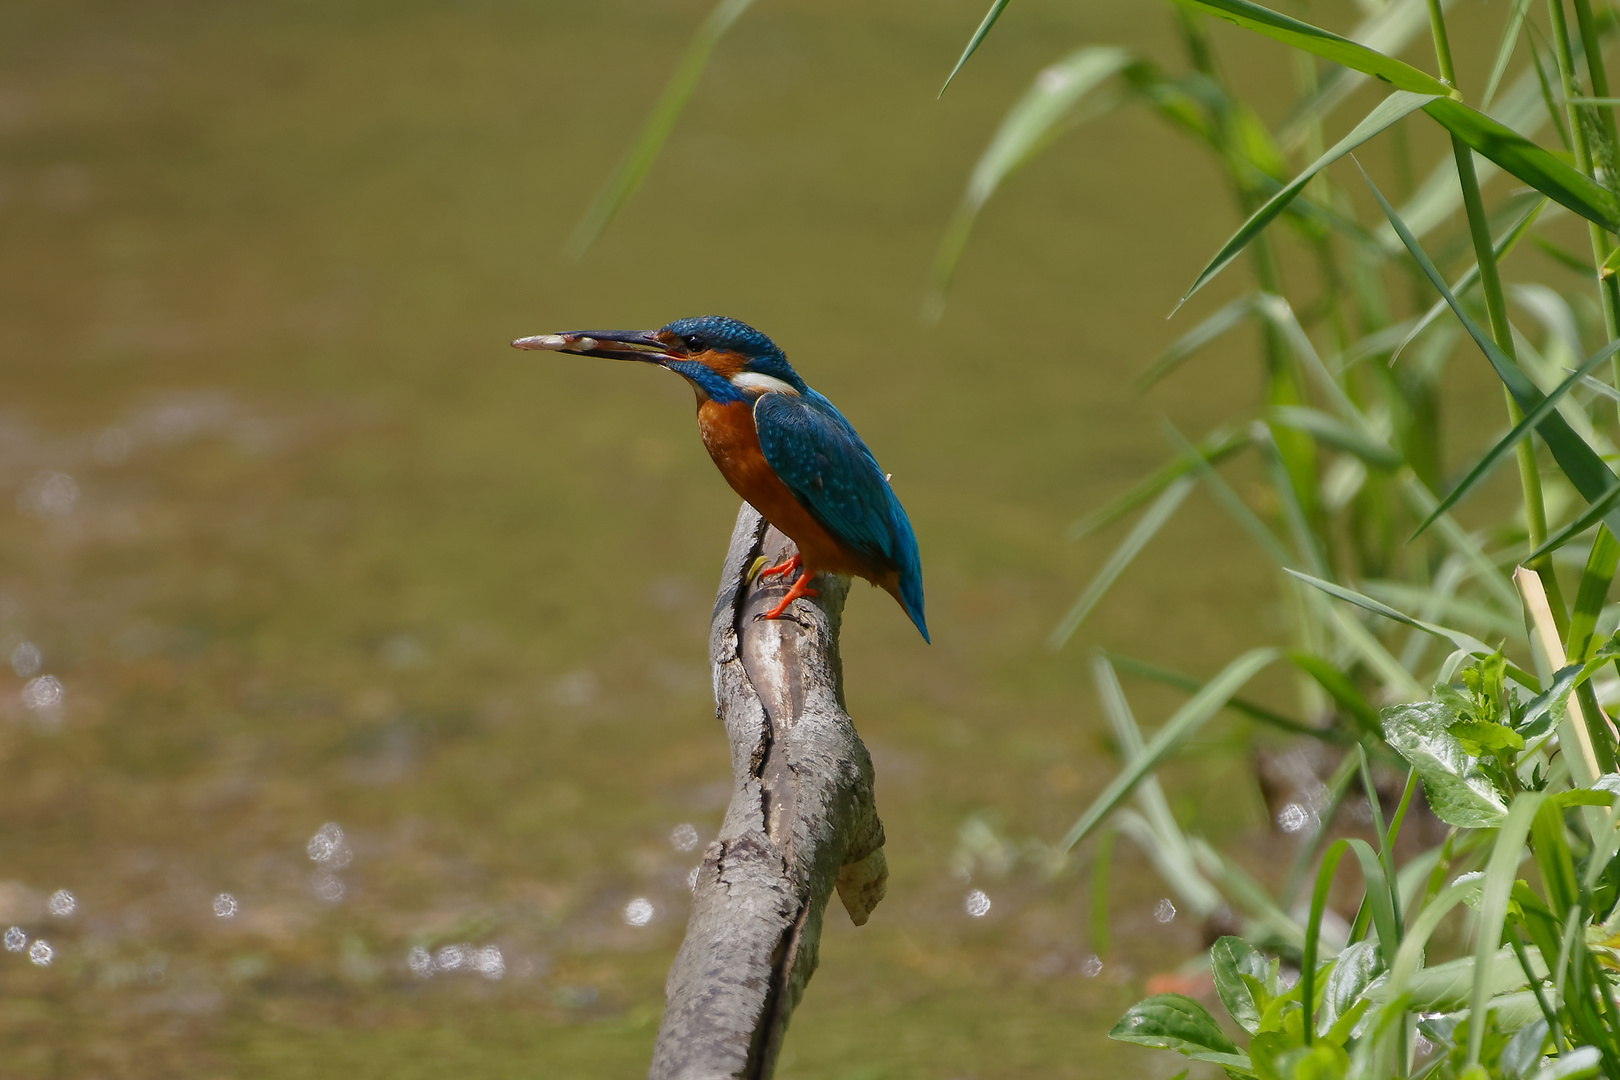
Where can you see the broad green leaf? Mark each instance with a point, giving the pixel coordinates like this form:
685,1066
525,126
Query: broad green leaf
633,169
1520,1055
1230,958
1143,531
1281,1057
1459,792
1329,46
974,42
1356,968
1573,1064
1532,418
1580,463
1028,127
1186,720
1176,1022
1397,105
1448,986
1477,737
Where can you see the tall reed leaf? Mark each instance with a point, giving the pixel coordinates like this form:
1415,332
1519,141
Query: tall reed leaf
1399,104
1315,40
1134,542
1504,51
1506,443
976,40
633,169
1027,128
1186,720
1539,168
1500,874
1581,464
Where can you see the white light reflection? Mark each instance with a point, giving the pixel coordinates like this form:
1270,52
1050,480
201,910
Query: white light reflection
42,694
1091,966
327,886
41,953
62,904
1165,911
26,659
976,904
329,847
49,494
15,939
692,878
487,961
225,906
684,838
638,912
1292,818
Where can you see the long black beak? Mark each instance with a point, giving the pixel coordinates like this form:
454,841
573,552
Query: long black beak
641,345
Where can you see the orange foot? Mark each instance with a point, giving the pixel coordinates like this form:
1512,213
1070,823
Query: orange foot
792,564
800,588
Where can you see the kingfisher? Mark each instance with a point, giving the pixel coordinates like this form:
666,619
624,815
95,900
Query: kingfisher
781,446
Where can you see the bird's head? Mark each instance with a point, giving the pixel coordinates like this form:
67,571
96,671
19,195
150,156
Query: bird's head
724,359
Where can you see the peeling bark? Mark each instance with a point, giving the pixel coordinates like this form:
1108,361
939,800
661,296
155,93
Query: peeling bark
801,822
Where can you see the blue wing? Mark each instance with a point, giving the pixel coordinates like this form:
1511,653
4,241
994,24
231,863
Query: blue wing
827,467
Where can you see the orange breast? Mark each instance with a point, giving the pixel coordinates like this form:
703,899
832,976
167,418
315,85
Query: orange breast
729,433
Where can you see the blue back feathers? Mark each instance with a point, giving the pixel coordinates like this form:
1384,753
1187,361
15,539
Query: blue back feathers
816,453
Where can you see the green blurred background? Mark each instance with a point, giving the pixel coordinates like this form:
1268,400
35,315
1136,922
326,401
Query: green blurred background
304,542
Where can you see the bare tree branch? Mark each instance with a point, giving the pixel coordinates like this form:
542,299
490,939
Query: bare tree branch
801,822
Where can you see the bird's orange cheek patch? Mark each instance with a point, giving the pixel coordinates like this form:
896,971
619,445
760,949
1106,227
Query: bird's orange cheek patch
723,364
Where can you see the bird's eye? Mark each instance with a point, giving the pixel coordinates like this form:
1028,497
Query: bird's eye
693,343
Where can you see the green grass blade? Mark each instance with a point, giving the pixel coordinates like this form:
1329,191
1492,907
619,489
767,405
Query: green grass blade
1504,51
1340,689
1211,328
1102,857
1377,896
976,40
1399,104
1521,430
1463,641
1331,431
1520,157
1143,531
1596,512
1389,31
1029,126
1219,446
1167,845
1186,720
1319,42
1601,563
633,169
1230,500
1242,706
1580,463
1470,278
1500,874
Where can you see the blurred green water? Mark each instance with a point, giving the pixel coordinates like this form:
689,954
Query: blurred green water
329,551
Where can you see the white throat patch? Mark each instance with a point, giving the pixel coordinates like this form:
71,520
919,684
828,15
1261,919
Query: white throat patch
765,384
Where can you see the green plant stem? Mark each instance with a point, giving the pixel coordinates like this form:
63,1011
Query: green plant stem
1580,139
1490,284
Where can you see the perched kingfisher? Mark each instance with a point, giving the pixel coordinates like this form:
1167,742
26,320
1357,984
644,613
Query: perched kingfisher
781,446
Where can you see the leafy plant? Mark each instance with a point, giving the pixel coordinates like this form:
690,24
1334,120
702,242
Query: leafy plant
1516,757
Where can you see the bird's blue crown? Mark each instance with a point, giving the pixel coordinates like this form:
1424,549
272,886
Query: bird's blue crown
717,332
